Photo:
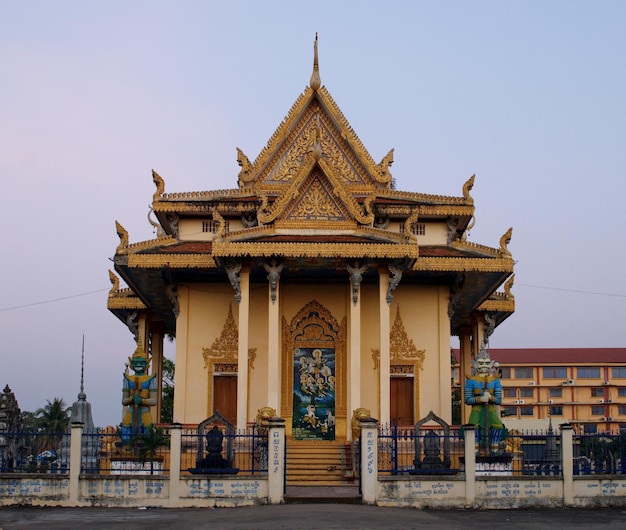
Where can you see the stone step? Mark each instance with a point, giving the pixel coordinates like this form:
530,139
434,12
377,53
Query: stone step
319,464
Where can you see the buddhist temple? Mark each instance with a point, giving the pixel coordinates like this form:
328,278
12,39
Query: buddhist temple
314,286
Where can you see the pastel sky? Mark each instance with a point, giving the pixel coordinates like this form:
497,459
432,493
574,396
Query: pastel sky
528,95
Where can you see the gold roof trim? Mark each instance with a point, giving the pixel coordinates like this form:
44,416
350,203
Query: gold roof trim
174,261
204,196
503,306
475,247
377,171
323,250
123,302
421,197
464,264
280,133
150,243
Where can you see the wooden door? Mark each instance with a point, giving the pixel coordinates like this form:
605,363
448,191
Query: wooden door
402,401
225,396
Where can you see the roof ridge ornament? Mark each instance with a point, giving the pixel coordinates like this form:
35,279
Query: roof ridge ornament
316,80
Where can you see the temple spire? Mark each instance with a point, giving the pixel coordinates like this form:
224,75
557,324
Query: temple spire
316,81
82,395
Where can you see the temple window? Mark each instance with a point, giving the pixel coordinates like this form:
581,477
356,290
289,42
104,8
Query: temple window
621,409
556,410
555,372
506,372
621,392
597,410
526,411
556,392
597,392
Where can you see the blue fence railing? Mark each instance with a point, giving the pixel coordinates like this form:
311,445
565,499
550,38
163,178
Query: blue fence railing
34,452
600,453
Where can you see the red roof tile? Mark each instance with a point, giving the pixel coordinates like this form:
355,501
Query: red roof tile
539,356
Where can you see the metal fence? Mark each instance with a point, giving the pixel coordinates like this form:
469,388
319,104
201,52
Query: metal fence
34,452
534,452
405,450
233,451
432,451
600,453
108,452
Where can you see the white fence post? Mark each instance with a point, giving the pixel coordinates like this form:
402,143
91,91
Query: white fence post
469,435
369,460
567,463
276,460
76,453
175,461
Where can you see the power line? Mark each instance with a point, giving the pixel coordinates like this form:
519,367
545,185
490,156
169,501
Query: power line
615,295
594,293
54,300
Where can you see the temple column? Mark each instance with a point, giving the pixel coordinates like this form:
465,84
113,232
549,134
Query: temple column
143,331
383,365
156,346
354,339
465,370
182,331
273,336
445,365
242,351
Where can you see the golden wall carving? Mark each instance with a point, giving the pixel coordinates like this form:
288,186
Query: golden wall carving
222,356
404,358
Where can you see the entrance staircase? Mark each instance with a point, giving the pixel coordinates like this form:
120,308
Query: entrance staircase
319,464
320,472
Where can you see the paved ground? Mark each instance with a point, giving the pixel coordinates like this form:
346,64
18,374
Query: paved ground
307,516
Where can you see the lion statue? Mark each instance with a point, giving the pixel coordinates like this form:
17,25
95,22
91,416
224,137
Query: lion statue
357,416
263,417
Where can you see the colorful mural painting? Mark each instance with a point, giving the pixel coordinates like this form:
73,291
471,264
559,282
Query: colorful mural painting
313,394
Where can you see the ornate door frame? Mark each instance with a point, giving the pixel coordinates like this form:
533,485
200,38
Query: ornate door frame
314,326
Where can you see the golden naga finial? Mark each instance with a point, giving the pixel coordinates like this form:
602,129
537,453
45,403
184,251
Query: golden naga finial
246,167
505,240
221,224
316,80
115,282
123,235
384,166
160,185
467,187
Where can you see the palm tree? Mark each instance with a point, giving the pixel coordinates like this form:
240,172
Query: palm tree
53,421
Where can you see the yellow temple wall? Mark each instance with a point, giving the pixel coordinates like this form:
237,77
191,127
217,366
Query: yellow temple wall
424,313
258,340
204,309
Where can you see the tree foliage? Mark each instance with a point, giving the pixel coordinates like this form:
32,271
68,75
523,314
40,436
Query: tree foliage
167,396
